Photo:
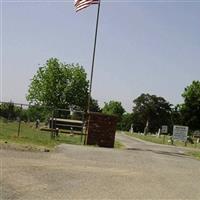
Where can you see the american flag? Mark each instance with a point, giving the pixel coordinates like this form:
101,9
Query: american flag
81,4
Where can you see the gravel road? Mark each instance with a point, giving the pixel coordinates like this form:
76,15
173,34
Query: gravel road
143,171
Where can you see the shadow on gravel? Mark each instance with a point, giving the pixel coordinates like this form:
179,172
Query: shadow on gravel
160,152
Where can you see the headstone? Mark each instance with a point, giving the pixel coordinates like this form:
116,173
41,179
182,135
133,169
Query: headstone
131,128
18,119
158,134
196,134
164,129
146,129
37,123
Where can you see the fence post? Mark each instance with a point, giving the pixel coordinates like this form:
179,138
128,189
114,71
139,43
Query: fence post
19,125
163,139
52,130
83,126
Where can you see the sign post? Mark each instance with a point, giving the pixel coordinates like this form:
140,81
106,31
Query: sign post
164,131
180,133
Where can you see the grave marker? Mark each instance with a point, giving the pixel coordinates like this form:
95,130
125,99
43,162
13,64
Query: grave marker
164,129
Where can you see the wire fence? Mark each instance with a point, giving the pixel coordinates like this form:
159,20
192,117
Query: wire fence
40,125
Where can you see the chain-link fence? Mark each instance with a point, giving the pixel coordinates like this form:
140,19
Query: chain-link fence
40,125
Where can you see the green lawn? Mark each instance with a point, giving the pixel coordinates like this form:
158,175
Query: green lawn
32,137
161,140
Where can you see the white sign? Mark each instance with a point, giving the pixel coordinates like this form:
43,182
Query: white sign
180,133
164,129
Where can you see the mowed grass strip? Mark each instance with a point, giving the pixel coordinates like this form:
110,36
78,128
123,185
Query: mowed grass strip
162,140
195,154
159,140
149,138
118,145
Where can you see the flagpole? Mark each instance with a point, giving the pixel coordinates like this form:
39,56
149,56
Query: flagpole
93,57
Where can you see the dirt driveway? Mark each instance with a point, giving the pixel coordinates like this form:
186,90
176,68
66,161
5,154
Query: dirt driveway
77,172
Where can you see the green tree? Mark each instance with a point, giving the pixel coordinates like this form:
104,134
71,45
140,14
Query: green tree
126,121
177,117
155,110
113,108
94,106
8,111
191,107
59,85
37,112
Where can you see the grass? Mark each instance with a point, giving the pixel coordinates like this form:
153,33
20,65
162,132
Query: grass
149,138
161,140
32,136
195,154
118,145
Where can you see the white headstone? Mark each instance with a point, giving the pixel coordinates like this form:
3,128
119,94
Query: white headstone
131,128
158,134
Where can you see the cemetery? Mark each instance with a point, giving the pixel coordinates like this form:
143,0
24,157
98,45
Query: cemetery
178,137
99,100
71,128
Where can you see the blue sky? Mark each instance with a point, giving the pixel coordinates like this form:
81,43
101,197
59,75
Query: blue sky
143,46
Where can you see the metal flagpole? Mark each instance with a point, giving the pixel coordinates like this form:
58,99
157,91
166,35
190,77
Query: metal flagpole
93,58
92,71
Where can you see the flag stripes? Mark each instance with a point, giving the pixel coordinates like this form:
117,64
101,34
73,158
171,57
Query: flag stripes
81,4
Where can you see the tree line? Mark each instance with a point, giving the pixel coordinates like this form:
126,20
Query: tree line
60,85
12,112
157,111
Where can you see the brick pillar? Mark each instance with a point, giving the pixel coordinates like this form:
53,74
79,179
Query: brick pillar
101,129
